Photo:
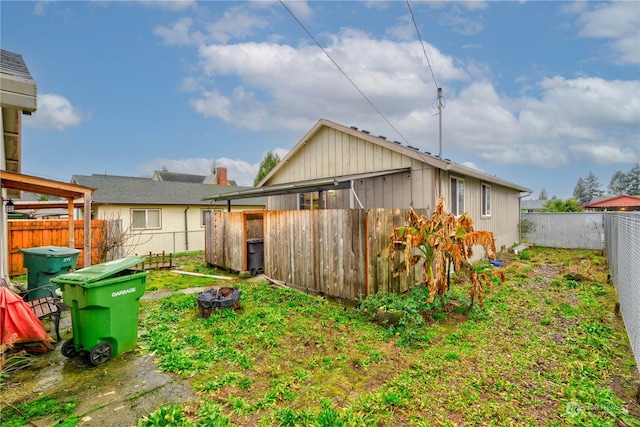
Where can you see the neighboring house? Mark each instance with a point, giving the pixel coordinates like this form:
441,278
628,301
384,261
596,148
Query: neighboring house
159,215
533,205
18,96
614,203
217,178
339,167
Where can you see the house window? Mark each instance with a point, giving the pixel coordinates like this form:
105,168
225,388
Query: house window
486,200
143,219
312,201
204,212
457,196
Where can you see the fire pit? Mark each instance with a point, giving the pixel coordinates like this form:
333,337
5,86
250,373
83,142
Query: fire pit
216,298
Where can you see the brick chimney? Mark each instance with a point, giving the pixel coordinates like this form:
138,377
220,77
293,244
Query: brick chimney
222,176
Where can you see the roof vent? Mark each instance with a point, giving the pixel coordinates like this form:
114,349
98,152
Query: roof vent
447,160
413,148
427,152
365,131
398,142
382,136
354,127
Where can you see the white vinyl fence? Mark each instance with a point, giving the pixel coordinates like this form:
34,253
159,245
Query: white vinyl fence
622,231
574,230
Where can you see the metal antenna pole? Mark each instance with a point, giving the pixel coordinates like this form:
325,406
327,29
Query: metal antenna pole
440,119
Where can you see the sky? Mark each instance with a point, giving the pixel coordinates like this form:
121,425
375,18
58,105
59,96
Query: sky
538,93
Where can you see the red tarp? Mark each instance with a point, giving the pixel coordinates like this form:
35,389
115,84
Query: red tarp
20,325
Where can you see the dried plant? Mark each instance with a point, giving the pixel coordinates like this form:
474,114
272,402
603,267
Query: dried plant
114,241
443,242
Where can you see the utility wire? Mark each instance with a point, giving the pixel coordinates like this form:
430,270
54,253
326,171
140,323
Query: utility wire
343,72
422,44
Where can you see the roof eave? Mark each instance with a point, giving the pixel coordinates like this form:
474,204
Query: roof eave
17,92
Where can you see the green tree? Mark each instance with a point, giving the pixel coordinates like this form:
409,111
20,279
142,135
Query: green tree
633,181
543,195
587,189
580,191
557,205
268,163
618,183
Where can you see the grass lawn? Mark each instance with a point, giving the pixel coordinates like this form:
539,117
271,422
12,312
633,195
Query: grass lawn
546,349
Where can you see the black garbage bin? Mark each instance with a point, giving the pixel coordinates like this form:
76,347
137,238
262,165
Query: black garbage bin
255,256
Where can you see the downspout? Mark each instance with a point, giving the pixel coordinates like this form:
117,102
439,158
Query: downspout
4,234
186,230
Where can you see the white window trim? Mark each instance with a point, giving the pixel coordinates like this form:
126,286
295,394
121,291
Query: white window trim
203,210
146,219
459,210
485,205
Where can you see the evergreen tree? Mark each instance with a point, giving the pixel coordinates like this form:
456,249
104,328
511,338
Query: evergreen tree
587,189
580,192
268,163
543,195
618,184
633,181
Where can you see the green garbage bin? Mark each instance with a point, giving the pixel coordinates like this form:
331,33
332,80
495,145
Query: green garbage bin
46,262
104,301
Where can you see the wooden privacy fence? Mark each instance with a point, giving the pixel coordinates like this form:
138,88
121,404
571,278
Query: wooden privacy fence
339,253
34,233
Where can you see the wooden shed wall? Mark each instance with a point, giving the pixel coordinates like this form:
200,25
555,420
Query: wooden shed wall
337,252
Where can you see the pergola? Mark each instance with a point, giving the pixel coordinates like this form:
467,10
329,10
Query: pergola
71,192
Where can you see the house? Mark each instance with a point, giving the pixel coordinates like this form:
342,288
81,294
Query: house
339,167
219,177
333,202
18,96
533,205
615,203
158,215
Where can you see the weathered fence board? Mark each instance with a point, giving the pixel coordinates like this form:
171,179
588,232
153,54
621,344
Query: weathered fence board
225,243
34,233
340,253
381,223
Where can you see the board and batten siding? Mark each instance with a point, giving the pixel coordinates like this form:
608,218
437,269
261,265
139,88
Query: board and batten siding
505,210
332,152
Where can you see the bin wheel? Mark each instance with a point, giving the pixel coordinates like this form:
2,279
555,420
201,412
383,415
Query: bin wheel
68,348
100,354
253,271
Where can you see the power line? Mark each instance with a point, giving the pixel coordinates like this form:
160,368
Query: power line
440,102
343,72
422,44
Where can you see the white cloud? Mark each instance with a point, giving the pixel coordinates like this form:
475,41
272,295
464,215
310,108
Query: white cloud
240,171
301,9
178,34
289,87
275,86
55,112
616,21
172,5
236,23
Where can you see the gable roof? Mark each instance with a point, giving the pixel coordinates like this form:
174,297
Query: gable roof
178,177
616,201
123,190
424,157
17,87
